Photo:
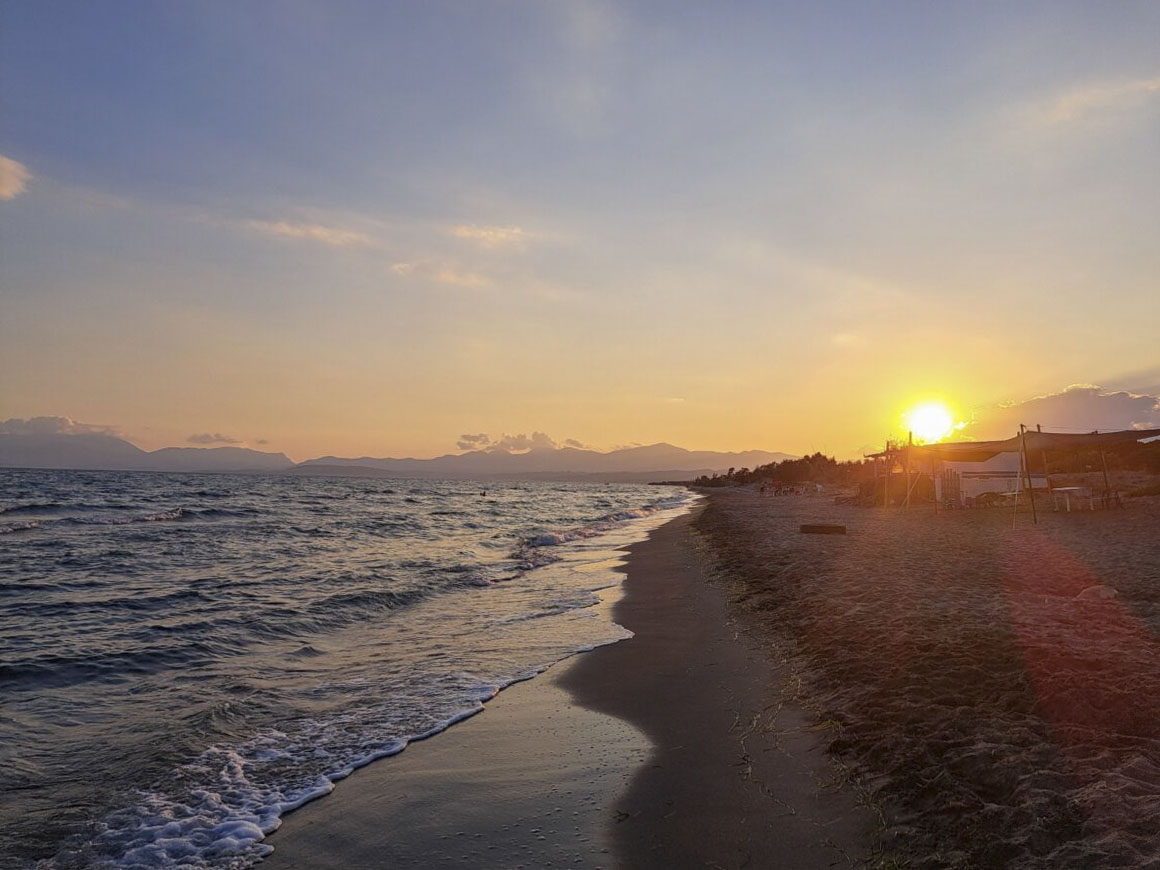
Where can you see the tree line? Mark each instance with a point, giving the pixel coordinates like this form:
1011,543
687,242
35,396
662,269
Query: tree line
817,468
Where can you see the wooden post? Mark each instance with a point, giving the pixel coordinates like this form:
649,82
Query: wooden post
1027,469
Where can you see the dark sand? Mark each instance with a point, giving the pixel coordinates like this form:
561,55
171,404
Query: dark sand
730,773
997,688
738,777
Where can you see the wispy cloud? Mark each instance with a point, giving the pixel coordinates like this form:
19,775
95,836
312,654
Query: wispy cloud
337,237
492,236
14,177
212,438
458,278
515,443
53,426
441,273
1075,104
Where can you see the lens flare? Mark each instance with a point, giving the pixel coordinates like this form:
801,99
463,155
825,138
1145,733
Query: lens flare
930,421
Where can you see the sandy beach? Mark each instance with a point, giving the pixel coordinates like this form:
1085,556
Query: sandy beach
675,748
997,687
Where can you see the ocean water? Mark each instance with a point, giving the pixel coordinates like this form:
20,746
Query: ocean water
185,658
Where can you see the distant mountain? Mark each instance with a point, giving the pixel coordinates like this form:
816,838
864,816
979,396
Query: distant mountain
653,462
69,451
100,452
217,459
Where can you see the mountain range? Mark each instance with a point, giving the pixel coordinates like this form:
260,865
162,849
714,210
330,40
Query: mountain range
637,464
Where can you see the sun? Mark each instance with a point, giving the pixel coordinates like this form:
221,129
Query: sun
930,421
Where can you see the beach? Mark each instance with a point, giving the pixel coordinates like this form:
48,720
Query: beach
960,689
677,747
994,684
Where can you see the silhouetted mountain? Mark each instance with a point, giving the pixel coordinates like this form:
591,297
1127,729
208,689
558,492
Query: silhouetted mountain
217,459
107,452
69,451
653,462
633,464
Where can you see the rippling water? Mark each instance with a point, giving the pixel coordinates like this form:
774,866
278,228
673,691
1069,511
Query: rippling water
187,657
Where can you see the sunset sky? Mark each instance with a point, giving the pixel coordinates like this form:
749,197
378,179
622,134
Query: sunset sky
369,228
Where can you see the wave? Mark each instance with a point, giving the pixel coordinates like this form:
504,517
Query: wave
528,554
56,671
22,526
180,513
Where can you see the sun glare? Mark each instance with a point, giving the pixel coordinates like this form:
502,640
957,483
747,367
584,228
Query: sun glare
930,421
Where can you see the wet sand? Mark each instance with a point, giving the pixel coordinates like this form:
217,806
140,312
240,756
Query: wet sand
676,748
997,688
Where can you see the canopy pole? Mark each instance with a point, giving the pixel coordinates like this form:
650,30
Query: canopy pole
934,483
1027,471
1046,475
1107,486
886,463
1015,513
909,444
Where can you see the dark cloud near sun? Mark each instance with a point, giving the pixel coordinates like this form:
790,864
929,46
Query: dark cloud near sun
212,438
1079,408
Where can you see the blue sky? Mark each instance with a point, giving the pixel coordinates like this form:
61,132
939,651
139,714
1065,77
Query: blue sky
348,227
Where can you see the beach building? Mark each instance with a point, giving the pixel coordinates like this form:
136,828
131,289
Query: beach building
969,473
965,483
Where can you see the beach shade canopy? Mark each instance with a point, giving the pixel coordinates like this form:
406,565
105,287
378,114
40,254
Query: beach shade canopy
981,451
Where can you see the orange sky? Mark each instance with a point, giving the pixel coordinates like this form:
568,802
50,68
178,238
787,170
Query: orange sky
758,228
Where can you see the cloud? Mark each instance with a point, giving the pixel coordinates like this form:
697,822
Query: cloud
14,177
214,438
335,237
1073,105
456,278
441,273
492,237
515,443
1079,408
473,442
521,442
53,426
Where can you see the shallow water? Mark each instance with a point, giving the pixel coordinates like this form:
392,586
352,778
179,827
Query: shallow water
187,657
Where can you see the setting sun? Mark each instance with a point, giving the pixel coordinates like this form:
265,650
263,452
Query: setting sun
930,421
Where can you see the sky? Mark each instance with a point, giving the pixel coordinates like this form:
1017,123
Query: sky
373,228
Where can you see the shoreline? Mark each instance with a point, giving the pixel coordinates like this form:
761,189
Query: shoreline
671,746
738,775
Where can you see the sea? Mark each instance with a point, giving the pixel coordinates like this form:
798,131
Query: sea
184,658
